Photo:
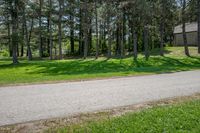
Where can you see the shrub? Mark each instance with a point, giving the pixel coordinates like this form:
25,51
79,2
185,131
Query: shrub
4,53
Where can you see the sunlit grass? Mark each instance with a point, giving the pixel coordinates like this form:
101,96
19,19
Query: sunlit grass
77,69
179,118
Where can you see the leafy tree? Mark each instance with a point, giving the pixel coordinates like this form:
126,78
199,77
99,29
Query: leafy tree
91,27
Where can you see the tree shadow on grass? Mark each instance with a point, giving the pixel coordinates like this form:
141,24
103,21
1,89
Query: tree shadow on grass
106,66
156,52
155,65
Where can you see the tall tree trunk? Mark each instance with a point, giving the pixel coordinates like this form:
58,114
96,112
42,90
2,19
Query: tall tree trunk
14,16
60,28
85,45
18,35
72,40
71,19
124,30
103,47
121,42
109,31
90,34
40,30
161,37
50,30
129,42
109,37
86,29
27,40
97,31
198,6
184,30
18,46
146,46
80,32
135,44
30,32
162,26
129,35
22,44
55,52
48,40
100,35
118,40
9,37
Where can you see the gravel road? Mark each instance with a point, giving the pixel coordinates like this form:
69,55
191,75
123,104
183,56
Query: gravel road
35,102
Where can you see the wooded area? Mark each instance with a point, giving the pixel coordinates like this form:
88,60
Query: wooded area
82,28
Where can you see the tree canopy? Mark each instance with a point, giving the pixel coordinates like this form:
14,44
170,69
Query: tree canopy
56,29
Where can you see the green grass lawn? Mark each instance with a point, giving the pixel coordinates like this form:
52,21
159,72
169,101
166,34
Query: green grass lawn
178,118
77,69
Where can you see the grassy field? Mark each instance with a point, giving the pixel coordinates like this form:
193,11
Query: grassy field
77,69
178,118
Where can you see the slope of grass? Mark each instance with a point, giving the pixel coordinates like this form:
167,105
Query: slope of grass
179,118
77,69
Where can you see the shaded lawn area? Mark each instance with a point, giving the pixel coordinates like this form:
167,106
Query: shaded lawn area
77,69
178,118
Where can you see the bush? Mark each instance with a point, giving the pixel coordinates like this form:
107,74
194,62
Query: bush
46,54
4,53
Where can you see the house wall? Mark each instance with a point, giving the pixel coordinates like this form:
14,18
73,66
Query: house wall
191,39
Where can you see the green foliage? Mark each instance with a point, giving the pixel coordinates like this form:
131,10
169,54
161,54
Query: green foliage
45,54
4,53
192,11
77,69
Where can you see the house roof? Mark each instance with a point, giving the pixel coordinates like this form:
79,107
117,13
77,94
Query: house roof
189,27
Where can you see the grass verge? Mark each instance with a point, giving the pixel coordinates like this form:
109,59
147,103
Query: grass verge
182,117
78,69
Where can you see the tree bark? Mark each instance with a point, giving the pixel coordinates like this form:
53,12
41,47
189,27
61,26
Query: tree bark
184,30
23,42
100,35
40,30
80,31
27,40
72,40
14,17
86,29
103,46
71,18
118,40
146,46
50,30
124,29
161,37
129,35
109,31
60,28
9,36
198,26
48,40
90,35
18,33
97,31
121,42
109,37
135,45
162,26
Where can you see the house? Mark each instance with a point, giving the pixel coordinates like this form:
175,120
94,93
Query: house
191,32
